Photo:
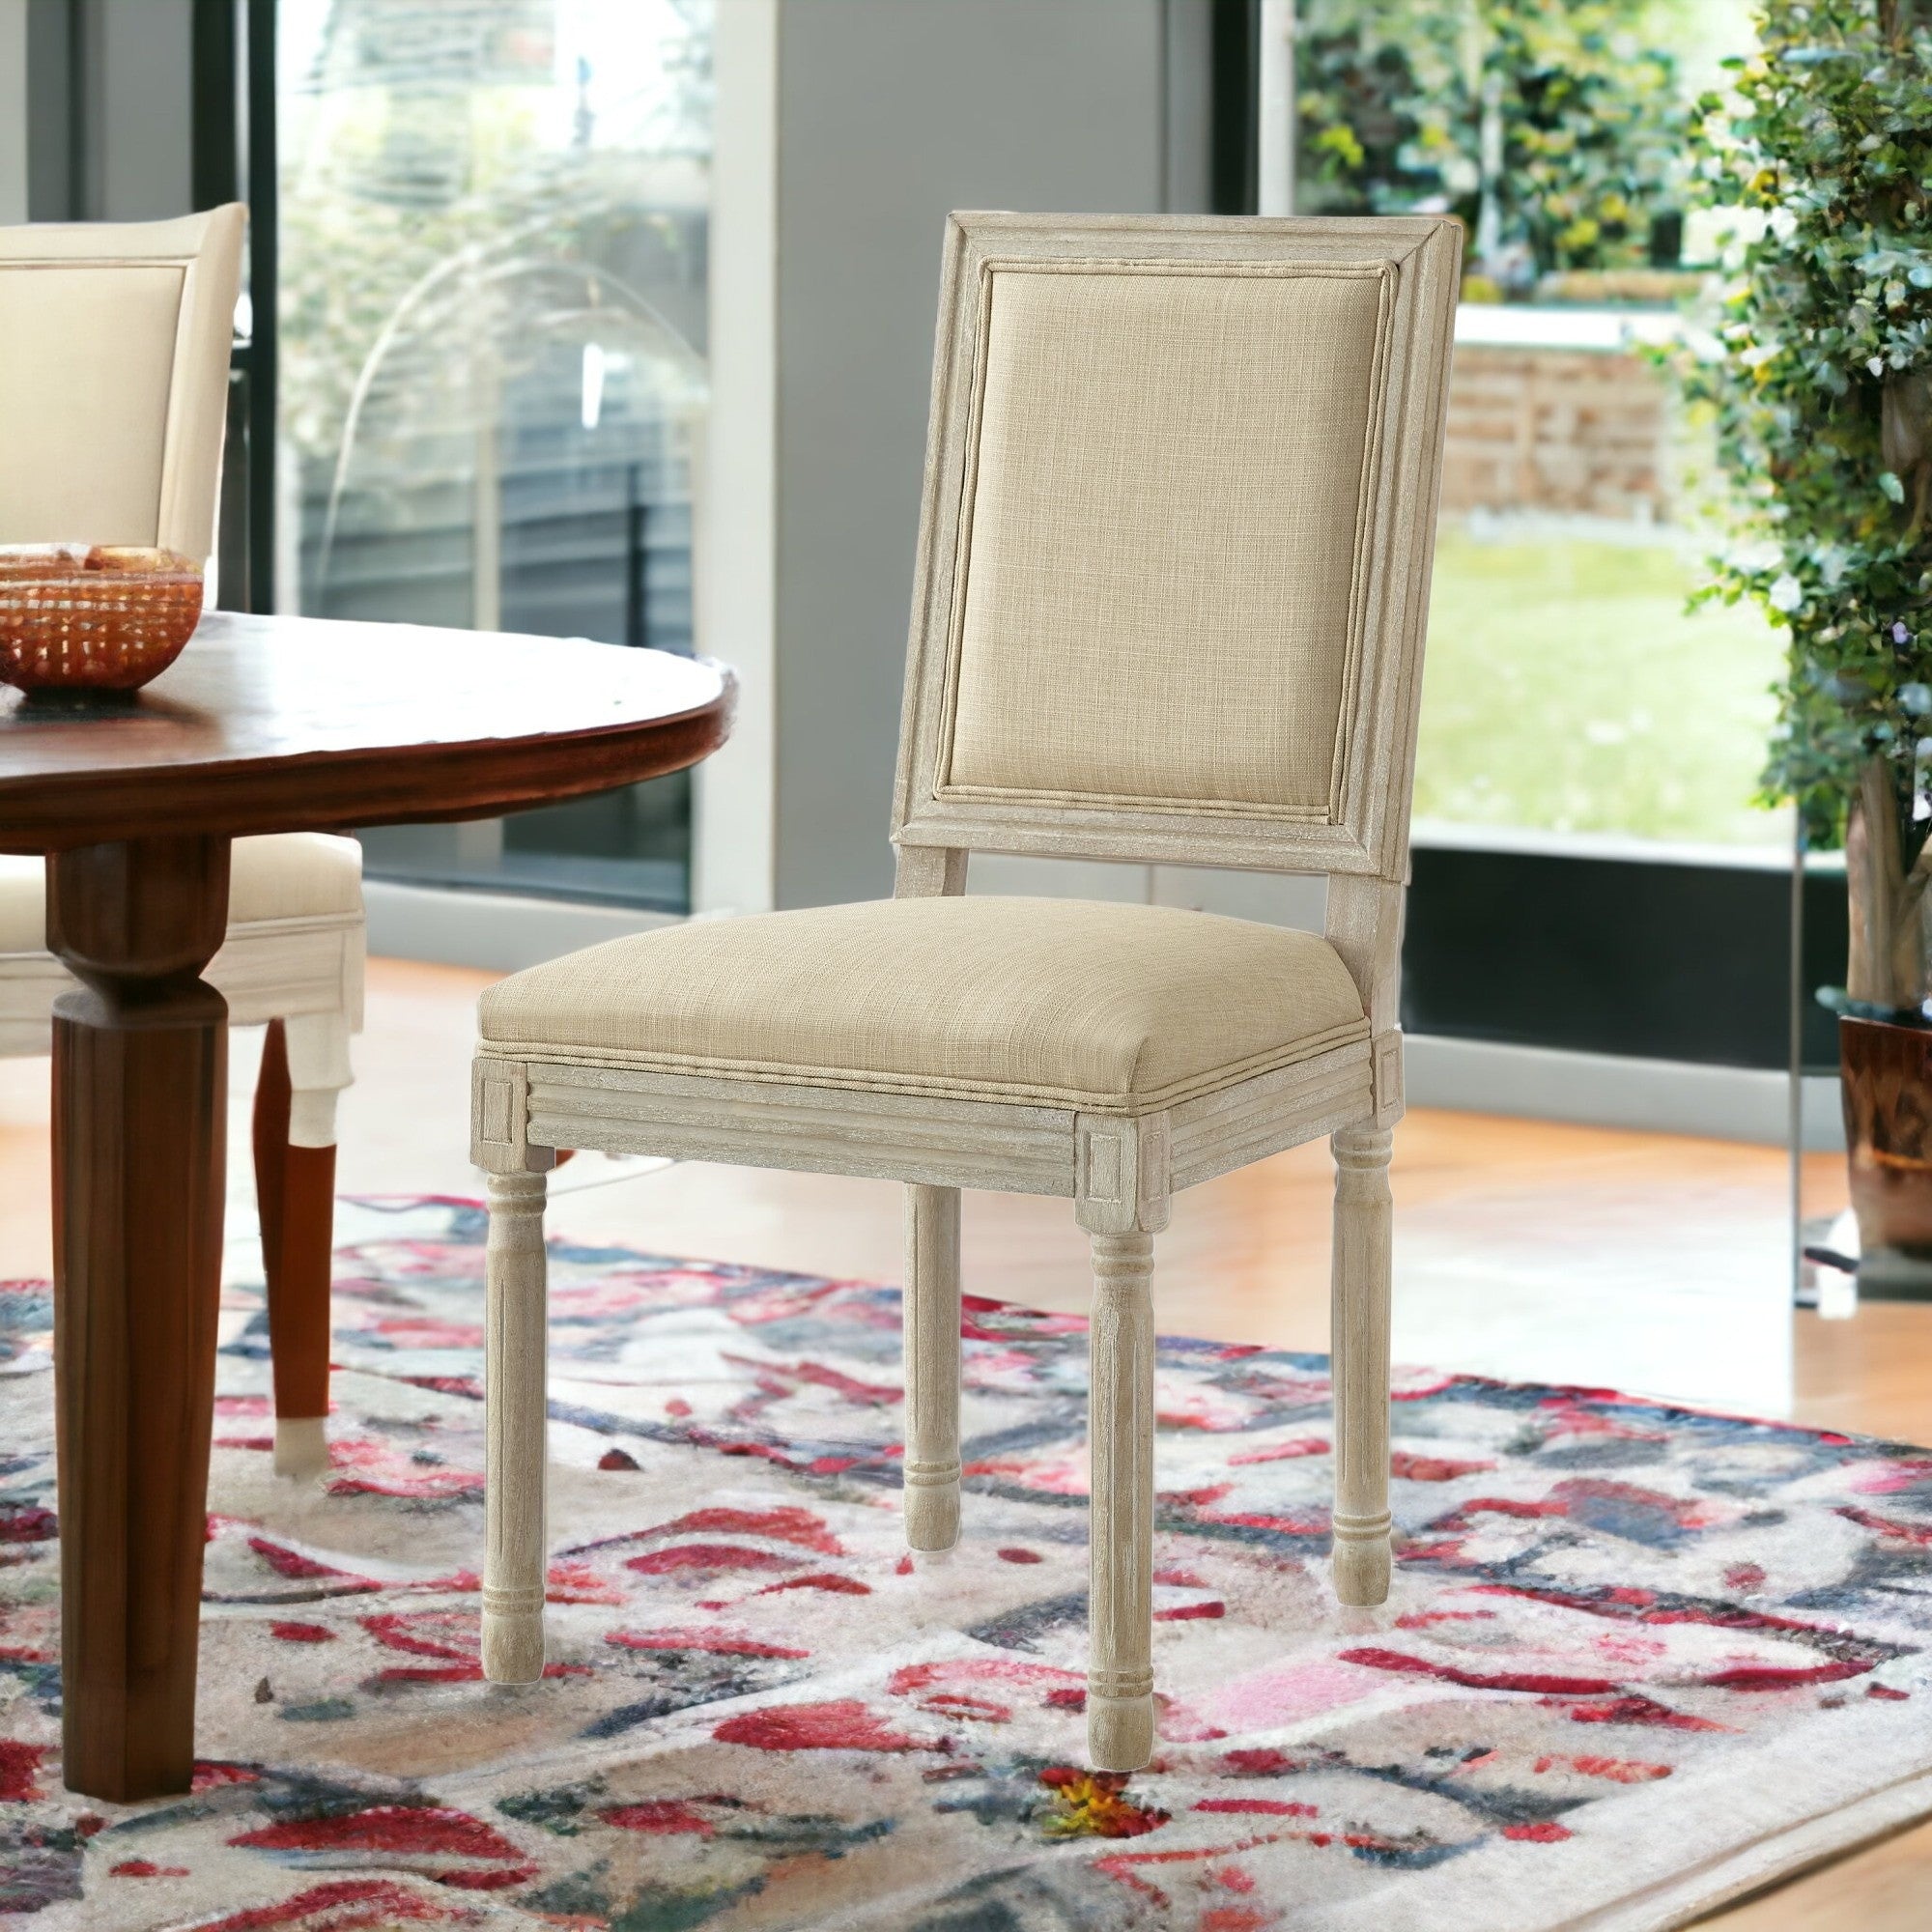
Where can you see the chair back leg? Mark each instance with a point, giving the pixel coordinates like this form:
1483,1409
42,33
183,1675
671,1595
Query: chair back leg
932,1368
295,1190
515,1558
1360,1365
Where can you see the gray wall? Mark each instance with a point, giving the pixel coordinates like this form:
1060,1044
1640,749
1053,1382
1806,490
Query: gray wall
13,112
139,76
890,112
131,64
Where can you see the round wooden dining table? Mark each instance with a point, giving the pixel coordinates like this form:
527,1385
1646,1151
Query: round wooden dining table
261,725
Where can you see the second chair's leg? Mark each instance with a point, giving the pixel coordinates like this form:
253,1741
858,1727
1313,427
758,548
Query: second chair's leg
932,1367
515,1553
1360,1366
1120,1676
295,1189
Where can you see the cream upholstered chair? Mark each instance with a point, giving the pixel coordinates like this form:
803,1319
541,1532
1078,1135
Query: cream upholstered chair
1173,576
114,349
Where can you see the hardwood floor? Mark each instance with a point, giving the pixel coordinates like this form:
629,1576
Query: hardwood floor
1523,1249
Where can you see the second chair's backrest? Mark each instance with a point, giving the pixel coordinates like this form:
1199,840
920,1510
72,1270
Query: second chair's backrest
1174,545
114,343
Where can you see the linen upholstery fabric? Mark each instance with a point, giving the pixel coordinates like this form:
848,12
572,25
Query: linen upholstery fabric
1161,552
283,875
87,353
114,343
1106,1007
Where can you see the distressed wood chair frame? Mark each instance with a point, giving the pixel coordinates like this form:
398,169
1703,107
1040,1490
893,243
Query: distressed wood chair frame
1118,1171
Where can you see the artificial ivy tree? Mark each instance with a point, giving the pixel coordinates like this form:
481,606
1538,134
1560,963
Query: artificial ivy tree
1821,395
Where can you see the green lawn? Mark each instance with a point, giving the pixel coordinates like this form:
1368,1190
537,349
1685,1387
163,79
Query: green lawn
1567,690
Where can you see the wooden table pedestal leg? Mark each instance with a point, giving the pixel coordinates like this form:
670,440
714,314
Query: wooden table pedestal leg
140,1092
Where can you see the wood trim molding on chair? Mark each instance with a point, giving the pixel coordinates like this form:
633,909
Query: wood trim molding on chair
817,1130
910,1138
1415,261
267,969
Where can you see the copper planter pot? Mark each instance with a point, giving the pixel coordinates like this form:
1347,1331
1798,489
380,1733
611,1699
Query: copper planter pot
1885,1080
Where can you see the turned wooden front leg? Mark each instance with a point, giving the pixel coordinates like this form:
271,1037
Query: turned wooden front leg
1360,1366
932,1368
515,1555
1120,1676
140,1092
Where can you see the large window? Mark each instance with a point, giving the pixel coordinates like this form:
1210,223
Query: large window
492,359
1592,871
1568,689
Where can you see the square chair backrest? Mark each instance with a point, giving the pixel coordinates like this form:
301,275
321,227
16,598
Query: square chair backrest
1174,559
114,344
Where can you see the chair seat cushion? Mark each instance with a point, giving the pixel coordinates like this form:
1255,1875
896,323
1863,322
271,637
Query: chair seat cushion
285,876
1063,1003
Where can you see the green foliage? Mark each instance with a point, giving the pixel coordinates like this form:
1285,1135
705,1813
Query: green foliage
1563,688
1547,125
1821,390
1382,112
1592,131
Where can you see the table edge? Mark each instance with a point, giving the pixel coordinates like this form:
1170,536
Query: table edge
239,797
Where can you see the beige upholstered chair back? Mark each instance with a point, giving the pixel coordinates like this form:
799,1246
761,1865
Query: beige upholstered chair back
1174,545
114,379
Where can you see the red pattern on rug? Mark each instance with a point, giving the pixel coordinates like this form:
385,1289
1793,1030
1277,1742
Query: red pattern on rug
1616,1627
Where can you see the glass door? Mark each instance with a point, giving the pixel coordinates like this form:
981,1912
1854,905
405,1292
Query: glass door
493,228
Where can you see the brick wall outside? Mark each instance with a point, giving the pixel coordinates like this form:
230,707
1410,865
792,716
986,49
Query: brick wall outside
1561,430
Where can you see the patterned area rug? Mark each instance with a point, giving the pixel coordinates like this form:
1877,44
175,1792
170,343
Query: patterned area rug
1637,1657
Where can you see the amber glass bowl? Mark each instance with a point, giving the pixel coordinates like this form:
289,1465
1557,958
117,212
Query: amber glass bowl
80,623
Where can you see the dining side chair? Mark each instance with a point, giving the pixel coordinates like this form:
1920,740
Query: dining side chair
1172,581
114,355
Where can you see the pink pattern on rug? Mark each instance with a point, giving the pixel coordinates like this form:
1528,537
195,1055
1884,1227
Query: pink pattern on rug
760,1709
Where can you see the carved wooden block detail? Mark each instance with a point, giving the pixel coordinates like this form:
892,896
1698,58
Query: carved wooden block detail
1388,1077
500,1099
1121,1171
